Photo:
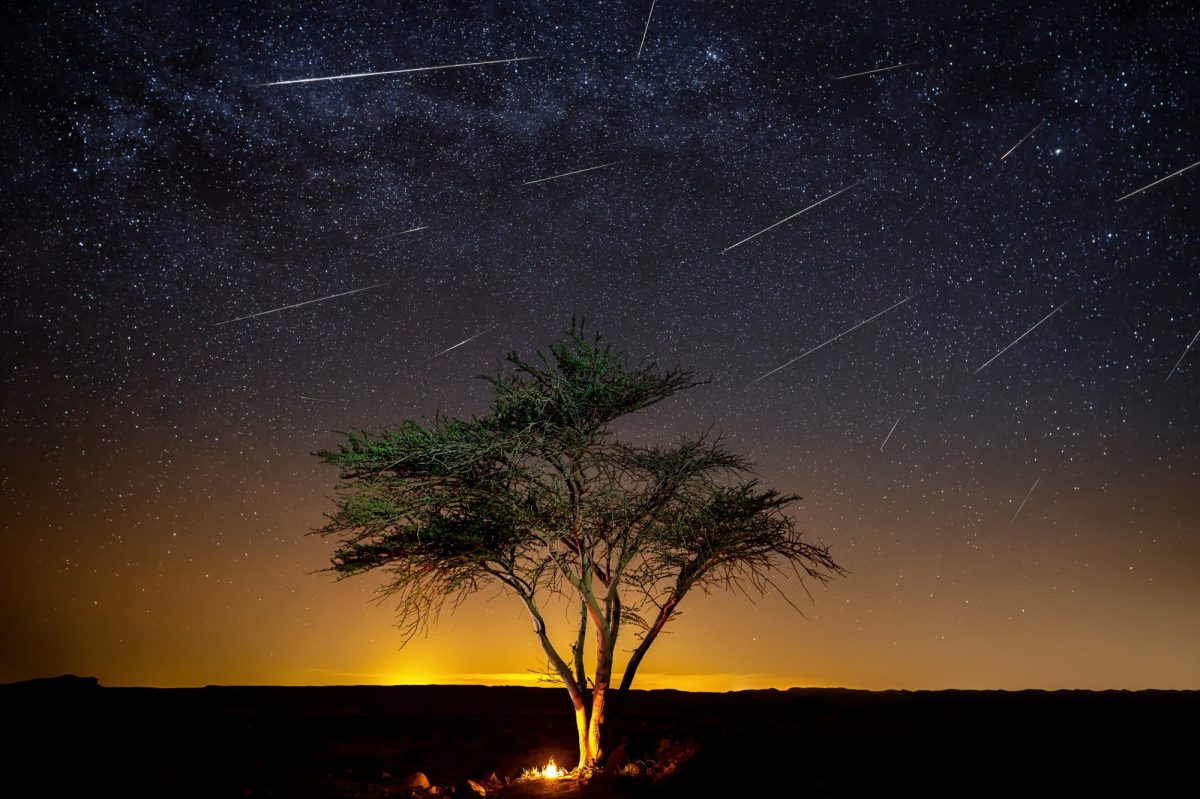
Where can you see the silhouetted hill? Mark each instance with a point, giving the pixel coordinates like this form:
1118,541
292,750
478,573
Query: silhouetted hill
63,682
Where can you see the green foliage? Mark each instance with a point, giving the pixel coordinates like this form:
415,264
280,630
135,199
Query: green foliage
539,494
572,393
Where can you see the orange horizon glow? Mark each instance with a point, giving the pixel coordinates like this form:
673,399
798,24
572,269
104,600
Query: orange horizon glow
989,618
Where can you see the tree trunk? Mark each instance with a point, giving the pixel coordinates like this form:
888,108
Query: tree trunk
596,724
595,737
632,667
589,725
577,647
581,727
574,689
635,660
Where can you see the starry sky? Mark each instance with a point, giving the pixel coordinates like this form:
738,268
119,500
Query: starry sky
1031,523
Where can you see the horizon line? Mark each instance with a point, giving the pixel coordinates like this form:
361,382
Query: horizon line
72,681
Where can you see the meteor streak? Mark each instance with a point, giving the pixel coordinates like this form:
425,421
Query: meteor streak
793,216
1185,352
646,29
565,174
396,71
1160,180
1023,138
830,341
889,435
1027,496
298,304
873,71
1026,333
459,344
403,232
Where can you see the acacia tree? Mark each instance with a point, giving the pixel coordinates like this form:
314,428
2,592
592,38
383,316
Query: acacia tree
540,495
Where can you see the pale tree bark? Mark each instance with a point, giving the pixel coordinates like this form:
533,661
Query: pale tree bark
606,644
581,727
604,658
564,673
577,648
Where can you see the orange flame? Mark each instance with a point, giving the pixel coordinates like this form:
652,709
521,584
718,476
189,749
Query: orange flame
552,771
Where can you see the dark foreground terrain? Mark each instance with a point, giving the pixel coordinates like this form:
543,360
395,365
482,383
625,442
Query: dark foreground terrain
74,738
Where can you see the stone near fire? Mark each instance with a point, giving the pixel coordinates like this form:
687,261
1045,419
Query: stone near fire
617,759
415,780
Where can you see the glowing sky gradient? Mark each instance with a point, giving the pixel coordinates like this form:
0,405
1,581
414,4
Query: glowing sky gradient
156,474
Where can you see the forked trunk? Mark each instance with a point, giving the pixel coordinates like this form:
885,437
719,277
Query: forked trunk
589,725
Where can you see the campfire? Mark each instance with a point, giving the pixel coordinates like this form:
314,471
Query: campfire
550,771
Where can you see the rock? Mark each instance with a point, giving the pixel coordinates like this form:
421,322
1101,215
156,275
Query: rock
616,760
670,755
415,780
471,788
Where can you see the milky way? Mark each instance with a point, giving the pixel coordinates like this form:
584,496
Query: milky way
157,475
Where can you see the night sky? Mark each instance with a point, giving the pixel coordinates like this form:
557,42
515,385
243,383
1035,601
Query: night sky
157,477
